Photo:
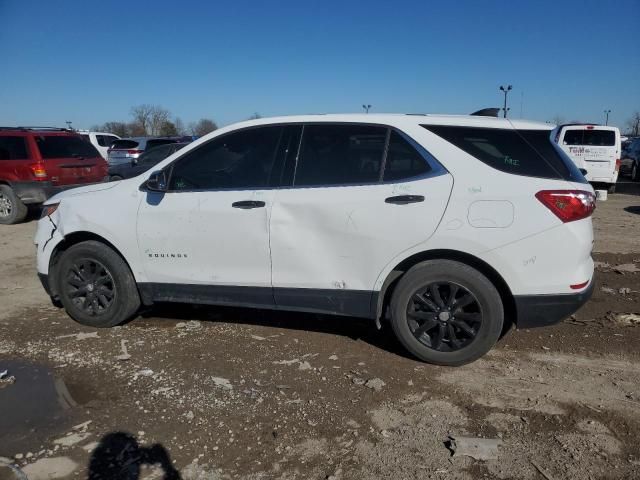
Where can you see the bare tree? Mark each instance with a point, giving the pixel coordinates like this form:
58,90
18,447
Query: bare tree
633,124
142,117
180,127
158,120
168,128
202,127
117,128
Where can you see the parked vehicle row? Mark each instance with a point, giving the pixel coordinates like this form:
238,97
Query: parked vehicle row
36,163
125,150
144,162
631,159
448,227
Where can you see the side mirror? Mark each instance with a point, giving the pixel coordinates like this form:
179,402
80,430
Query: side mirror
157,182
583,171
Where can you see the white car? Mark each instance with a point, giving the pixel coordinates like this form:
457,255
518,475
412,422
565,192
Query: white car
101,140
594,148
451,228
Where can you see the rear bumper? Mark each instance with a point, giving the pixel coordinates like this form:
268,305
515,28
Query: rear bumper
544,310
38,192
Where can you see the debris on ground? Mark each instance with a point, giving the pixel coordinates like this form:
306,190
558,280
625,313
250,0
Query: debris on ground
608,290
222,382
81,335
125,354
624,291
6,380
474,447
50,468
190,325
626,318
626,268
375,384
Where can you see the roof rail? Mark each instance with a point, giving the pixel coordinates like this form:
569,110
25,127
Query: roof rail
46,128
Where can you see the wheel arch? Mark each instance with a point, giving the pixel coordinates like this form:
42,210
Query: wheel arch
69,241
483,267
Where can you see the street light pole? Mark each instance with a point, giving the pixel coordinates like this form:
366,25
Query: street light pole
506,91
366,108
606,113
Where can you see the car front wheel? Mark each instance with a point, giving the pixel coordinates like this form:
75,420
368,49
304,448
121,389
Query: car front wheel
446,312
96,286
12,210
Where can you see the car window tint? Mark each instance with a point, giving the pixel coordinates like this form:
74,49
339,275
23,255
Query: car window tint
603,138
105,140
520,152
403,161
238,160
158,141
156,154
64,146
340,154
124,144
13,148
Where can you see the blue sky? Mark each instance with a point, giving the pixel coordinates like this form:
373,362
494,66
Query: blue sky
89,61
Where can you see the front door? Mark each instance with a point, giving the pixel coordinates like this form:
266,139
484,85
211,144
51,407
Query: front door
207,238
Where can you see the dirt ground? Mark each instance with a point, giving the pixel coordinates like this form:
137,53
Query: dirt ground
217,393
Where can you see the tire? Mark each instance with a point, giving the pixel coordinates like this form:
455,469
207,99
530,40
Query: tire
92,272
115,178
611,188
484,316
635,172
12,210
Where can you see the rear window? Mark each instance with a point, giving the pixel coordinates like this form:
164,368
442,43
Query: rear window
520,152
154,142
13,148
603,138
121,144
64,146
105,140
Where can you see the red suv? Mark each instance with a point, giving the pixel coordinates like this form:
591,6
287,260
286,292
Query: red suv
36,163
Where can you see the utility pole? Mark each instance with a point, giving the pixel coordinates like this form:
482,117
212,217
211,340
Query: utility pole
69,122
506,91
366,108
606,116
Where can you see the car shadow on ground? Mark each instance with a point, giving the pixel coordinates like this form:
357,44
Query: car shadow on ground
118,455
627,187
357,329
635,209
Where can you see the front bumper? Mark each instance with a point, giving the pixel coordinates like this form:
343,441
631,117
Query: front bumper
38,192
44,279
544,310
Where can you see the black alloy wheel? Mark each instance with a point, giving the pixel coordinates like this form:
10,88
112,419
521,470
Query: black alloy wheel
444,316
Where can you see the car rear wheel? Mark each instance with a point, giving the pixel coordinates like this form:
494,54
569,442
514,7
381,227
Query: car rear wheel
115,178
611,188
96,286
635,172
446,312
12,210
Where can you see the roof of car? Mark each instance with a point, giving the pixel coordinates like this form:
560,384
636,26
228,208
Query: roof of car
403,118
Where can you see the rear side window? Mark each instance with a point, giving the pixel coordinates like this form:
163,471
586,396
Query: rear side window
105,140
13,148
403,161
158,141
520,152
602,138
124,144
238,160
64,146
340,155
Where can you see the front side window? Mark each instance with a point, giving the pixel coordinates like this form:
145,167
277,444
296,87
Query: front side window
340,155
13,148
403,161
238,160
65,146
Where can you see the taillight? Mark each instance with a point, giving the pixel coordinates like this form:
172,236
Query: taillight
134,152
568,205
618,163
38,171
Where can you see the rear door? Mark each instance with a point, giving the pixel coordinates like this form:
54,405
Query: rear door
70,160
595,149
361,195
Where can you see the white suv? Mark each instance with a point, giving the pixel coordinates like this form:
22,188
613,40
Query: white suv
102,141
449,227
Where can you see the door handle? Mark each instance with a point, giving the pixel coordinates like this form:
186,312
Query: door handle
247,204
404,199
